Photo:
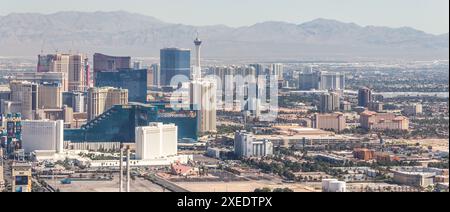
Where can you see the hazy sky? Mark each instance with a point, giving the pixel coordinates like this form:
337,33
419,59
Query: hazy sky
428,15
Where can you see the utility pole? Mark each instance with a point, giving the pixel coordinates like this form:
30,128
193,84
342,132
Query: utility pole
121,169
128,168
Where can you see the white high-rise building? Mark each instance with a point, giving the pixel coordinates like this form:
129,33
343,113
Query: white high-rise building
329,102
156,141
246,145
332,81
43,135
78,102
203,95
277,70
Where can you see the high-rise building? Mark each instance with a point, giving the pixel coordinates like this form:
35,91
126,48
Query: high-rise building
246,145
101,99
156,69
319,80
75,100
28,95
333,121
364,97
78,102
42,135
150,80
45,63
44,77
110,63
329,102
174,61
156,141
332,81
203,98
118,124
74,66
135,81
53,63
309,80
87,74
277,69
137,64
77,72
259,68
50,96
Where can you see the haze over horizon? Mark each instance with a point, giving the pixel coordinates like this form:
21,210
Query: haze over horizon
431,16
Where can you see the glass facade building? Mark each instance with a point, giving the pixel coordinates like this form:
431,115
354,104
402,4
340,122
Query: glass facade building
174,61
118,123
135,81
110,63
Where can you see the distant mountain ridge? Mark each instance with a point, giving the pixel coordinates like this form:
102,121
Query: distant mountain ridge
125,33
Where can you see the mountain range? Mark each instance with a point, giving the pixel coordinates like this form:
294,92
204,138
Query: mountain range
124,33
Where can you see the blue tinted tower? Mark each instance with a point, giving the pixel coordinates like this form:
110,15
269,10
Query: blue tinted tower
174,61
134,80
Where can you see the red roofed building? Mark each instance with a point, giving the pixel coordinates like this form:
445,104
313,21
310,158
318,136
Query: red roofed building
383,121
364,154
182,170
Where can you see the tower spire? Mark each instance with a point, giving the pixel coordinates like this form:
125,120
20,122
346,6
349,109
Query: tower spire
197,68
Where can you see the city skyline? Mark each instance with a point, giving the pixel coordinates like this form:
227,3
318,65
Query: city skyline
428,16
132,101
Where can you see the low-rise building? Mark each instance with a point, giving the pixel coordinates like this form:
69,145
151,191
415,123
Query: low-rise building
213,152
417,179
21,177
182,170
385,157
364,154
346,106
333,185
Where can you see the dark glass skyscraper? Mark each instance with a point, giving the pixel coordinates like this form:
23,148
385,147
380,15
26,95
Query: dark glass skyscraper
135,81
110,63
364,97
118,124
174,61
